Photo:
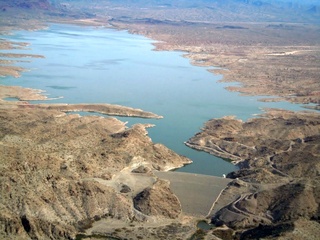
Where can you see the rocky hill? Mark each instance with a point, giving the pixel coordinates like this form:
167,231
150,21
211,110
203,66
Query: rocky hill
278,156
59,173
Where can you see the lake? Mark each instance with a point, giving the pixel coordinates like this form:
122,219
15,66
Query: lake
98,65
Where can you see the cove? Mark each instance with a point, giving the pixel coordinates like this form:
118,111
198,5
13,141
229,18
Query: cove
98,65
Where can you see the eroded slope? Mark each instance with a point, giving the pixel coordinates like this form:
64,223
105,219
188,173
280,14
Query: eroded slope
278,182
57,171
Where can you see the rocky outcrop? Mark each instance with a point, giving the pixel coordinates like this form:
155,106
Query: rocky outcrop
158,200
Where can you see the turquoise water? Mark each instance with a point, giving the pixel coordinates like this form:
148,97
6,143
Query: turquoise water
97,65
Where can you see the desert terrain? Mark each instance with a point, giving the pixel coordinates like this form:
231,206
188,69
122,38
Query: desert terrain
64,176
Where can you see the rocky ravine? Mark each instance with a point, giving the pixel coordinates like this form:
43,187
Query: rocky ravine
278,183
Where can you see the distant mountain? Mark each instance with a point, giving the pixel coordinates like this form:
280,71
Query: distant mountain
182,10
25,4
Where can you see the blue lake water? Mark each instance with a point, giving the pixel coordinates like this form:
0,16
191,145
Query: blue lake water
97,65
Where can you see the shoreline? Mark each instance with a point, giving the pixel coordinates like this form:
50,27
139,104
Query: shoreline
235,60
85,168
189,54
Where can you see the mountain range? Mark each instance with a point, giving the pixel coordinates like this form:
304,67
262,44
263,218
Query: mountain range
198,11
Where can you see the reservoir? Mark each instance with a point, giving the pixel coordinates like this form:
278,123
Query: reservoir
99,65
